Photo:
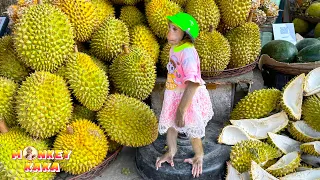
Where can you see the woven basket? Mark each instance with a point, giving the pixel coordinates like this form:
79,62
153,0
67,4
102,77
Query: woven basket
270,20
93,172
230,72
287,68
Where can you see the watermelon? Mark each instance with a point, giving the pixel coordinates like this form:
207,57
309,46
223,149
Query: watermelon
306,42
280,50
309,54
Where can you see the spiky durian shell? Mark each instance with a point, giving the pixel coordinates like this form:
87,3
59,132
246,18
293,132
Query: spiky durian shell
125,2
289,168
10,65
223,28
181,3
235,13
269,163
214,52
245,44
128,121
100,64
82,16
88,144
81,112
43,45
310,149
17,139
311,112
244,152
205,12
44,104
142,37
257,104
108,40
104,9
157,12
8,90
88,82
134,74
132,16
164,55
113,146
298,135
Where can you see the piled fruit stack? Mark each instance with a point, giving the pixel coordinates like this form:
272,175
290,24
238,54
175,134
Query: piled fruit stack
275,133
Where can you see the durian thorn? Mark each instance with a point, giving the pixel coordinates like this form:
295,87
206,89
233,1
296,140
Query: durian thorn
40,2
76,48
250,16
3,127
125,49
69,129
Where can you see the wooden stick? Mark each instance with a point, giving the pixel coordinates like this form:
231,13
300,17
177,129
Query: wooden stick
3,127
69,130
250,16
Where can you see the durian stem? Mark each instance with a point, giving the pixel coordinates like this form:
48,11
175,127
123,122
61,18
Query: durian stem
210,28
76,48
69,130
40,2
3,127
250,16
126,49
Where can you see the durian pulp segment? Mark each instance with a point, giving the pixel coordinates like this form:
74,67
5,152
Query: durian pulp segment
304,175
312,82
231,134
293,95
286,164
311,160
258,173
311,148
232,173
284,143
303,128
258,128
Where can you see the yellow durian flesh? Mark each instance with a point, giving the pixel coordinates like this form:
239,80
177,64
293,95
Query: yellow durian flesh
312,148
285,165
231,135
312,82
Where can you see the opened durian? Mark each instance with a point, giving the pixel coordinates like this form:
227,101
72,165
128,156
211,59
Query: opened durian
292,97
285,165
206,12
304,175
107,41
302,132
233,174
128,121
157,12
8,89
312,82
45,44
311,112
250,107
311,160
234,13
312,148
258,128
132,16
258,173
244,152
284,143
304,166
231,135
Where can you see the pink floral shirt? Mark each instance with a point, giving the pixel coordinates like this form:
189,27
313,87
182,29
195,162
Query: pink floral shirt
184,65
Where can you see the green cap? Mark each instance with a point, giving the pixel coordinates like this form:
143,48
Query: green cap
186,22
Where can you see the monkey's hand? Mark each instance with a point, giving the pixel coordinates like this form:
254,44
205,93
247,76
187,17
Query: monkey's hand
167,157
179,118
196,165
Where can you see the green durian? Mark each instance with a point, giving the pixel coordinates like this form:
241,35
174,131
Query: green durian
285,165
302,132
312,148
8,89
128,121
81,112
104,9
234,13
251,107
311,112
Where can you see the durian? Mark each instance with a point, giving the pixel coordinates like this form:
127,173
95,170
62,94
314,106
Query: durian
233,174
258,128
304,175
82,15
292,96
100,64
234,13
128,121
44,104
81,112
205,12
157,12
88,144
311,83
133,73
244,152
104,10
45,44
302,132
142,37
10,64
311,112
164,56
232,134
113,146
258,173
8,89
285,165
132,16
214,52
250,107
284,143
245,44
312,148
107,41
311,160
16,139
88,82
125,2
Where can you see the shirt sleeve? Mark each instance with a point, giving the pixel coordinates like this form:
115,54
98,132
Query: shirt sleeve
190,68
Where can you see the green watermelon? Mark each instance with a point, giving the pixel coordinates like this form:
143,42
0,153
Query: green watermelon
306,42
280,50
309,54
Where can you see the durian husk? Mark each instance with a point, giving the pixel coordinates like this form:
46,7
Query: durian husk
311,112
302,136
312,148
285,169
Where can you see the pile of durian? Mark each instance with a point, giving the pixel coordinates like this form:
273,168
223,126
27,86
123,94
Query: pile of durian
276,134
